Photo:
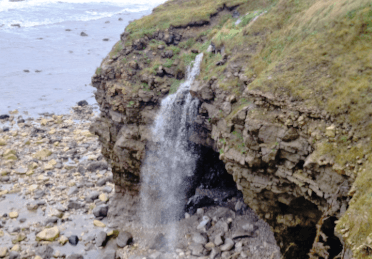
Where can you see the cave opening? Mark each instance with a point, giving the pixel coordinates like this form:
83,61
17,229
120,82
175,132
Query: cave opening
211,184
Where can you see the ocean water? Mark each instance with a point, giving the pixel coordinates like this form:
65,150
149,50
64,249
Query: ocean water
43,37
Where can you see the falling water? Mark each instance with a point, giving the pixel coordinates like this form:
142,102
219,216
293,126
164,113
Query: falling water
171,160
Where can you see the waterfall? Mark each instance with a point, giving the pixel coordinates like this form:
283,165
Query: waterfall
171,159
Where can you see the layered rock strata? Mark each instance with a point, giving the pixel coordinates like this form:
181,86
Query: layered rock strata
273,146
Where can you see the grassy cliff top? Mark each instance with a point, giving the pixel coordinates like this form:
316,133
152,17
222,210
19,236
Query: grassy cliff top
181,13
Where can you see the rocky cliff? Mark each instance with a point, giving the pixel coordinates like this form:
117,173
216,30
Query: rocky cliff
284,99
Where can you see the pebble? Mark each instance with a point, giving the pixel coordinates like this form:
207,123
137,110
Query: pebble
124,238
91,197
100,211
98,223
48,234
73,240
229,244
101,238
63,240
101,182
205,224
218,240
73,190
13,214
107,189
199,238
14,255
103,197
3,251
75,256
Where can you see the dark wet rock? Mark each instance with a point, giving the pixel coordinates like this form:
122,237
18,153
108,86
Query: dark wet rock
68,30
73,240
199,238
91,197
51,220
101,182
5,129
4,116
7,178
40,202
39,194
83,34
98,165
75,256
101,238
16,229
124,238
16,25
158,242
83,102
38,71
120,19
107,21
73,204
46,252
26,71
109,254
100,211
20,121
105,39
14,255
198,201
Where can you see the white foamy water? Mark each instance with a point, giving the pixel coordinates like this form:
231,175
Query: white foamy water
172,160
30,13
6,5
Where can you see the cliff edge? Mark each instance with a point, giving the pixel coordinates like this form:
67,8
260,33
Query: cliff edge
285,98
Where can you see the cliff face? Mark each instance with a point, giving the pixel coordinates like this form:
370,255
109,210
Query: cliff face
278,102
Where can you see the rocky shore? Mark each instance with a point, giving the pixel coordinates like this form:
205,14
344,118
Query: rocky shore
57,200
54,186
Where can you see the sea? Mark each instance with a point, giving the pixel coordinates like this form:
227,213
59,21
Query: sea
45,64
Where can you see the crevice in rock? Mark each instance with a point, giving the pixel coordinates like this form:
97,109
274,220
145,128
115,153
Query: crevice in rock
212,184
332,240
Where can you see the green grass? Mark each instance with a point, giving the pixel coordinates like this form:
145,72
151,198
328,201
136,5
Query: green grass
168,63
116,50
174,86
98,71
176,13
